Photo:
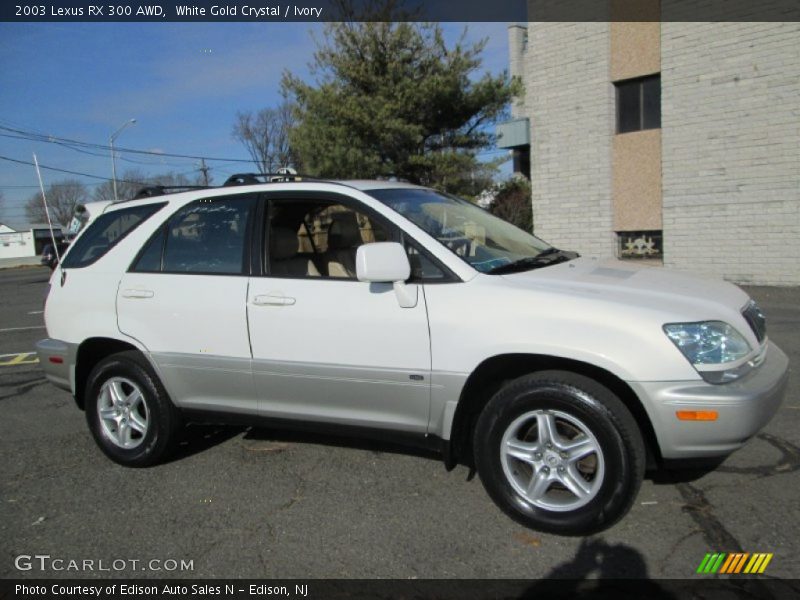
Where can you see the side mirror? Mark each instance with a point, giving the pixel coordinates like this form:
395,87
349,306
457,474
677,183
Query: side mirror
382,262
387,262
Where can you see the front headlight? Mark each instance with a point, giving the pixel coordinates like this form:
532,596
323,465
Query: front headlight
713,347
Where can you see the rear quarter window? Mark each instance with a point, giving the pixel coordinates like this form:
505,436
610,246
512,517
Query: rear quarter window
105,232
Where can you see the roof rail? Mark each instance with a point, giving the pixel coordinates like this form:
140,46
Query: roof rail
159,190
280,177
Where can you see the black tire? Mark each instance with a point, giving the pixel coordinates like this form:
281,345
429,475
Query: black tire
130,372
568,401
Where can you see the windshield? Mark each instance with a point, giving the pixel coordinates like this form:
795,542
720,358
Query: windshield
476,236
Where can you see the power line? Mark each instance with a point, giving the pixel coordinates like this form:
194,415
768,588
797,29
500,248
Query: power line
49,185
82,151
51,139
70,143
26,162
26,187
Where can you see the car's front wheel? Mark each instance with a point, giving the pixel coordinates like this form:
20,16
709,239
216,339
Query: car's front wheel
560,453
128,411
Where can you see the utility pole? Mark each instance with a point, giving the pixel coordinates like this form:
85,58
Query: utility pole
204,170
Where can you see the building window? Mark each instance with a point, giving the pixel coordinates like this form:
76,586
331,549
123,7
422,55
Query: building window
522,161
640,244
638,104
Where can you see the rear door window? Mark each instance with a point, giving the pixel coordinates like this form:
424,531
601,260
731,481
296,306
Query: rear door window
208,236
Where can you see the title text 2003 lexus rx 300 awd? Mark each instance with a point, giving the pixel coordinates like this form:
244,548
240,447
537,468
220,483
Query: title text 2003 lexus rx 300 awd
394,308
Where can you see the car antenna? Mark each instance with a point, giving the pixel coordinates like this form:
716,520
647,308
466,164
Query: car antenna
47,210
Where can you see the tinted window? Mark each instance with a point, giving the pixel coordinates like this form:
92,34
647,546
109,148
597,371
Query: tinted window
105,232
422,267
209,236
150,258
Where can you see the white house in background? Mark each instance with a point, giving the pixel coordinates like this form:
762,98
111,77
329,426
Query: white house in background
20,241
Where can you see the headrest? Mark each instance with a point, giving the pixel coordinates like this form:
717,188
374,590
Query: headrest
344,232
283,243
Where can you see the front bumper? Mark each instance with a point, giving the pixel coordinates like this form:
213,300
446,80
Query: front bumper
744,406
57,359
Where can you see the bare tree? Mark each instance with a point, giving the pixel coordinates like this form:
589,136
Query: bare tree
171,178
132,181
265,135
128,185
62,197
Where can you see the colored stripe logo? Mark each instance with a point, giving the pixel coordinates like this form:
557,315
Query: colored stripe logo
734,563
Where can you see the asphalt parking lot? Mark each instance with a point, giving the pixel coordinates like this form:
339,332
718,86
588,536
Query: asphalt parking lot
261,503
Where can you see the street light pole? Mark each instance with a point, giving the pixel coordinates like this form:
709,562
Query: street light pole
113,157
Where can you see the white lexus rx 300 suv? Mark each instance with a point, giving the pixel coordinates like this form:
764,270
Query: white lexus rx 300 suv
386,307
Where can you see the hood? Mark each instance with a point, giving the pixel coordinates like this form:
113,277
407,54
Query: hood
675,295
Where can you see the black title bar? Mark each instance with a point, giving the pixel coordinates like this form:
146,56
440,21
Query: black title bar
406,10
356,589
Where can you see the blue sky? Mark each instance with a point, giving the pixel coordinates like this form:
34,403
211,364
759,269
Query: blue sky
182,82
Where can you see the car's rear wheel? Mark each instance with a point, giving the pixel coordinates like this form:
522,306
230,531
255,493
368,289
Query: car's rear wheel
559,452
128,411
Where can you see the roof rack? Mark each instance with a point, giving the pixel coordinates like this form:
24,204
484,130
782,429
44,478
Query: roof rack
282,176
159,190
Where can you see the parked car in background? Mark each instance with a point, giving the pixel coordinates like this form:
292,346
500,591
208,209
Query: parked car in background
49,256
397,309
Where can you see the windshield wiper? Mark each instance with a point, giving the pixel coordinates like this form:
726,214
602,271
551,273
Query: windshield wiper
547,257
548,252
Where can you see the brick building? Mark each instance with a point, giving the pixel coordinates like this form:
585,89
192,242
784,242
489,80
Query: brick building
677,141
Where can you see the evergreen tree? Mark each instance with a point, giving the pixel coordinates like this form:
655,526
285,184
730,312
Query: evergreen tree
391,99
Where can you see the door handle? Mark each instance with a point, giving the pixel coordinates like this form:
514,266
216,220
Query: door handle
137,294
273,300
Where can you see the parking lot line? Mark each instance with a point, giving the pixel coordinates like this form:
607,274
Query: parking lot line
18,358
22,328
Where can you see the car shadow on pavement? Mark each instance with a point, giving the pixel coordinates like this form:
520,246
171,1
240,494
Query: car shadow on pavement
197,438
352,440
674,476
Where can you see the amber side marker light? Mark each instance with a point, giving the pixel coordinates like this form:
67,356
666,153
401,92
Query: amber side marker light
697,415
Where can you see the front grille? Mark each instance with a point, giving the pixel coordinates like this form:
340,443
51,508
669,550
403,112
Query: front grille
755,318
